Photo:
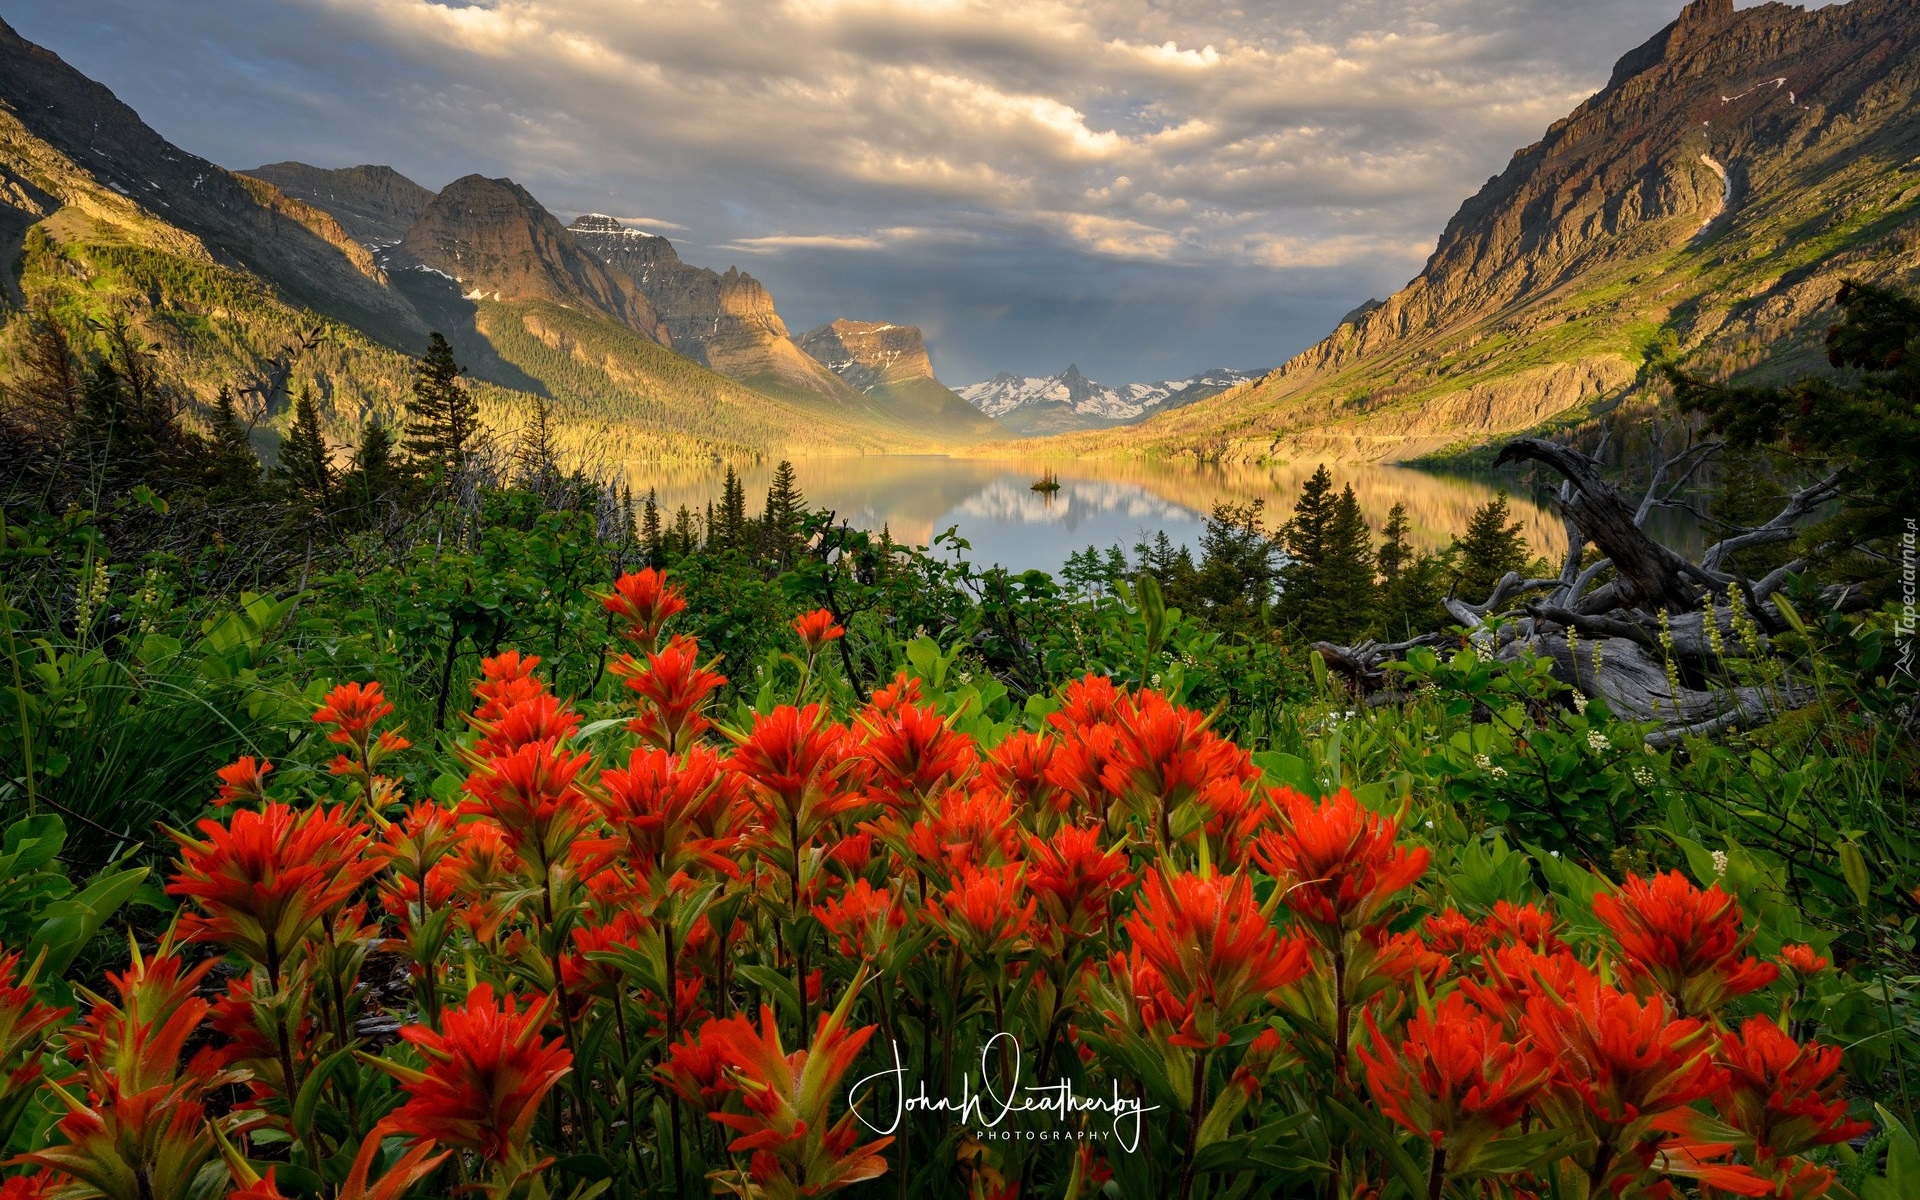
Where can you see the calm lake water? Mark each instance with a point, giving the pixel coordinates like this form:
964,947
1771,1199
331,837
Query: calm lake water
992,503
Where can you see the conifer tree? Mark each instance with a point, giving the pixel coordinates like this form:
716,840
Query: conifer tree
1488,550
684,539
376,477
1396,552
1347,587
780,528
536,456
443,425
652,540
1305,535
233,467
732,534
306,467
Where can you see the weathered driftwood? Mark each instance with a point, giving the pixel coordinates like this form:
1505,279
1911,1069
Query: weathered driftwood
1640,618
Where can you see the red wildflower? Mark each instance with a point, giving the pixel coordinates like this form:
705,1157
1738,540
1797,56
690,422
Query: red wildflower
1782,1095
816,629
1165,757
536,719
352,709
913,752
1336,862
506,679
1078,764
1803,960
243,781
586,975
264,882
1018,767
696,1071
1074,876
1514,974
1523,924
533,795
1626,1057
964,829
1458,1079
1213,953
904,689
674,691
986,912
24,1025
414,845
670,811
798,764
788,1127
44,1185
481,866
863,919
1089,700
486,1074
646,602
1453,933
1682,941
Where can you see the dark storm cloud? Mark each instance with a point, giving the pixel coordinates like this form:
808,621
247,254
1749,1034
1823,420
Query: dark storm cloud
1145,189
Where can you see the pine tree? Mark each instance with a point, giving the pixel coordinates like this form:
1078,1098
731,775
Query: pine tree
1396,552
1347,588
233,467
1235,577
443,418
652,541
780,528
376,477
1410,601
306,467
536,456
1488,550
1305,535
733,513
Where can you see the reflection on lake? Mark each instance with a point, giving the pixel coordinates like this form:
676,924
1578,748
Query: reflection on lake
1099,503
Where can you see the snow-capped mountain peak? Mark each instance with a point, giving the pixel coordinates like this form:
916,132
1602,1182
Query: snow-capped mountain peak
1072,393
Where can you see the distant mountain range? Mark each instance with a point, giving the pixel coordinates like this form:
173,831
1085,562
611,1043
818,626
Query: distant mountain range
1057,403
1707,202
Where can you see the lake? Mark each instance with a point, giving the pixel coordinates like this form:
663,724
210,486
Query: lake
994,507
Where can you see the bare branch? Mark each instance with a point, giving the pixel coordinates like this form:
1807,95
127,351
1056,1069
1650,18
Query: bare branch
1693,457
1780,527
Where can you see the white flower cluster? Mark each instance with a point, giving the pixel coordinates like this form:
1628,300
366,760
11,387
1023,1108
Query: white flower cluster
1597,742
1719,862
1643,777
1486,764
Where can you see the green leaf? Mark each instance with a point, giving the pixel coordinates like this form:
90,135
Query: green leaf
70,924
312,1086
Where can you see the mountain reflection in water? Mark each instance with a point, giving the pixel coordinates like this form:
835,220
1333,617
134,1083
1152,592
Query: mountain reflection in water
1100,503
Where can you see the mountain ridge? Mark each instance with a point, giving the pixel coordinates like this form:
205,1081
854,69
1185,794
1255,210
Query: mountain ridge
1692,203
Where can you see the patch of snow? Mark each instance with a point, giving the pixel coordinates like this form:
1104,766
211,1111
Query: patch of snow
1726,192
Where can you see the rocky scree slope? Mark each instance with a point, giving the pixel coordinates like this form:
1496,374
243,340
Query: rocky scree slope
1707,201
377,205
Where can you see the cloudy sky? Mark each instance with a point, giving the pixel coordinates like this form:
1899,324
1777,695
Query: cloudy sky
1142,188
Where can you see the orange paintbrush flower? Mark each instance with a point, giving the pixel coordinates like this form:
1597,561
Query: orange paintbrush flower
696,1071
352,709
25,1025
672,812
1074,877
1782,1095
816,629
788,1129
912,753
1018,767
1458,1079
533,795
674,691
986,912
243,781
802,774
1803,960
264,882
1212,951
863,919
1683,942
1336,862
1165,756
487,1071
959,829
506,679
536,719
645,602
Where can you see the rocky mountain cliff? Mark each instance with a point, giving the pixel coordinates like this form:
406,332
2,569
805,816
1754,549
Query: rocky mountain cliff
1032,405
377,205
725,321
1707,201
66,143
890,364
495,240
